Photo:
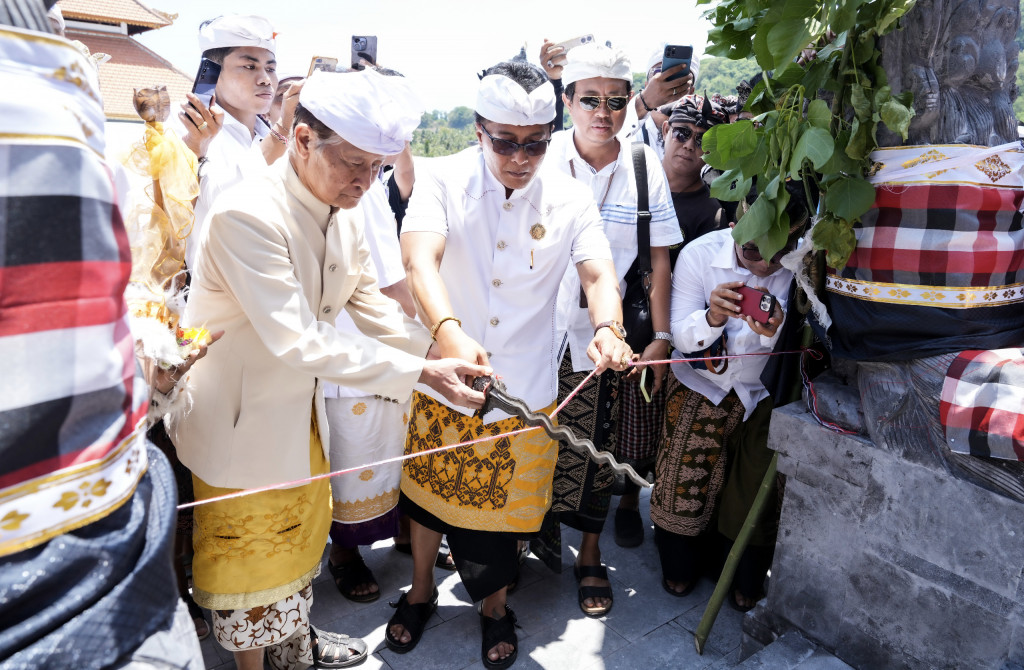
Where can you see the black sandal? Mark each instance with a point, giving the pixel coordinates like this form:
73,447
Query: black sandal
584,592
496,631
334,650
413,618
351,574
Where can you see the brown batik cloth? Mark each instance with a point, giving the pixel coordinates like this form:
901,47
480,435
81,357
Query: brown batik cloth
282,629
691,466
581,489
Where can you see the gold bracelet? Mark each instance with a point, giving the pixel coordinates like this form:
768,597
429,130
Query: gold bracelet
433,329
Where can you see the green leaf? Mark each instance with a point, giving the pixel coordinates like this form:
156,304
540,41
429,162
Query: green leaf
772,188
896,117
882,95
861,103
762,53
862,141
729,144
787,37
815,144
756,222
819,115
845,17
731,185
836,237
849,197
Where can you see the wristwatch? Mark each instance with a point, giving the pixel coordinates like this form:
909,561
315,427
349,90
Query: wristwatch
614,326
662,335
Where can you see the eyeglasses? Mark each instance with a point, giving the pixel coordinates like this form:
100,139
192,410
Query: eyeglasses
752,254
509,148
682,133
614,102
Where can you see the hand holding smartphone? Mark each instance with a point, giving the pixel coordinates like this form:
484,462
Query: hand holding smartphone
364,48
677,55
576,42
205,84
322,63
757,304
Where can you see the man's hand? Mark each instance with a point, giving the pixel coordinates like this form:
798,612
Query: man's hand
164,380
609,352
288,105
446,377
201,123
552,59
659,92
723,303
657,350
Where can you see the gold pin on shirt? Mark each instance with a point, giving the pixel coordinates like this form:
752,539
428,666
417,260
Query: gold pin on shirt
537,231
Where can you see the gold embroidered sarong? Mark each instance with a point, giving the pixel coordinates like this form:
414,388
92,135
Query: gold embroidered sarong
261,548
501,485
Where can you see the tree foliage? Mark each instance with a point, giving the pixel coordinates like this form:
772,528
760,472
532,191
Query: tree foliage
720,75
846,95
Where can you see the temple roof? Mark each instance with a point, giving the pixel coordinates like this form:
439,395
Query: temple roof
131,65
115,12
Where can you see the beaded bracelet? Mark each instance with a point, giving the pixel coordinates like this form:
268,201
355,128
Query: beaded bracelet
433,329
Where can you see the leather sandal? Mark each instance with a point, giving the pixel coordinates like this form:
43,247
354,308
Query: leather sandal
334,650
413,618
496,631
347,576
584,592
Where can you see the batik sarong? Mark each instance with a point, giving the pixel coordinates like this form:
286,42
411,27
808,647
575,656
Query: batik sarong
501,485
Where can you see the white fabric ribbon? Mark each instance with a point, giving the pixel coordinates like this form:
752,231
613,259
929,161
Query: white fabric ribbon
966,156
502,100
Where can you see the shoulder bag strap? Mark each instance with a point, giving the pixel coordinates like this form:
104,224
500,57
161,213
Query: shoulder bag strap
643,213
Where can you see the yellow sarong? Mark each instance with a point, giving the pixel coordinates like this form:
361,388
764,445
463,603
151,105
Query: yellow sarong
261,548
501,485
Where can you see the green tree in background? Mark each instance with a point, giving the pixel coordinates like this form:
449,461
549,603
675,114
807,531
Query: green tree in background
720,75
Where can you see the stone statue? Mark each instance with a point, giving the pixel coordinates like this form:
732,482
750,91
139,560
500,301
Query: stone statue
959,58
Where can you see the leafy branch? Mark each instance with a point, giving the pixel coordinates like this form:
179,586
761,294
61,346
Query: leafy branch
815,121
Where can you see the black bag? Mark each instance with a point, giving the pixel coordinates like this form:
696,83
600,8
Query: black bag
636,302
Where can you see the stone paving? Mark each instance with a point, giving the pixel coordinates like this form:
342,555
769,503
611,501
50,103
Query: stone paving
647,628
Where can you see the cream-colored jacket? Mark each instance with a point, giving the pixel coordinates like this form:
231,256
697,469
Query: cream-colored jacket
275,266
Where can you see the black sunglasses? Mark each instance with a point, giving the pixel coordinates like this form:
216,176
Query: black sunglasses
614,102
509,148
752,254
682,133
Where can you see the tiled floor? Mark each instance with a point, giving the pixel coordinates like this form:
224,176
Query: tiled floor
646,629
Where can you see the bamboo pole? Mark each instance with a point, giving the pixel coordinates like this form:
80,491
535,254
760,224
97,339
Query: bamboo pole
729,569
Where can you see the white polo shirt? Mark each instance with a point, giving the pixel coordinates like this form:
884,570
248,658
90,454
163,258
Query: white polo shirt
618,213
381,234
503,262
231,157
703,264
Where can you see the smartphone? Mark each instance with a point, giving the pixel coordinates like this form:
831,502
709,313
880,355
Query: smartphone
206,81
674,55
322,63
647,383
576,42
363,47
756,304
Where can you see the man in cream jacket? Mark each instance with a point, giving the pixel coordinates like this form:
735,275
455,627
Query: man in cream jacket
281,254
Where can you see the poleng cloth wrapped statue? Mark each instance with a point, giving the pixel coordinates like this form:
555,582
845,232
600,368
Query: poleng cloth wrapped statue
939,270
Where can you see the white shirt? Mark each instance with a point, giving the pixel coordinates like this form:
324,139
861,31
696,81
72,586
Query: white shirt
618,212
501,279
381,233
702,265
232,156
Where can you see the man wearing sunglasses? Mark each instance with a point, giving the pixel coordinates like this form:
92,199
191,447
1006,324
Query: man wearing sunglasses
485,243
698,213
597,94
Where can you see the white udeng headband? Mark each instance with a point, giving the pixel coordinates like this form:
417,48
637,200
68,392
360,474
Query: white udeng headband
502,100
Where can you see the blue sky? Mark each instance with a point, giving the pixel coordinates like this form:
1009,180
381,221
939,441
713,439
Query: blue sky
439,45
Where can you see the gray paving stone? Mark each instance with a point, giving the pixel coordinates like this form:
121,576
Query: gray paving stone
725,634
668,646
575,644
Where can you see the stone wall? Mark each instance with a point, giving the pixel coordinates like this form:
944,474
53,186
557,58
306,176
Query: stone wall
890,563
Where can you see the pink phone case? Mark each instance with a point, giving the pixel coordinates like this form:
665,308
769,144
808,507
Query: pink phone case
756,304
